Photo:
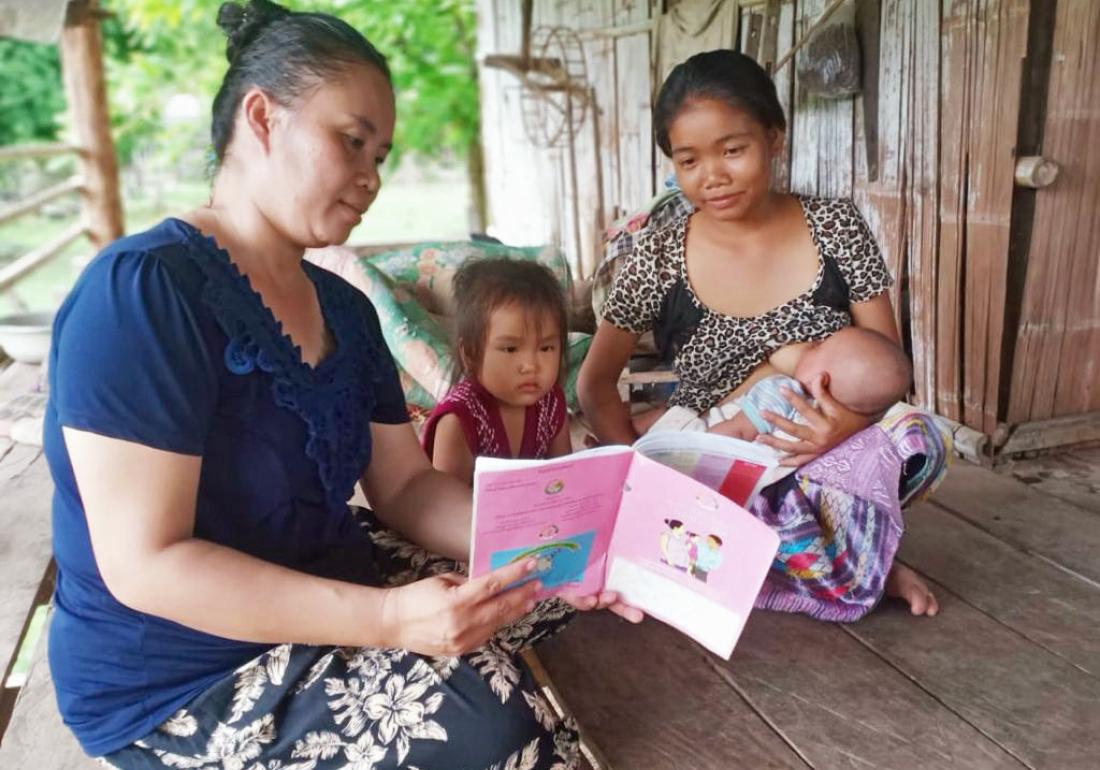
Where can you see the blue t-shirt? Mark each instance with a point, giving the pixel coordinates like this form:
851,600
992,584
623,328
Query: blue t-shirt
164,343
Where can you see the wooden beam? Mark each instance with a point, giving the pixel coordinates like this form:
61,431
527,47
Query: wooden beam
86,93
36,150
1060,431
39,199
34,259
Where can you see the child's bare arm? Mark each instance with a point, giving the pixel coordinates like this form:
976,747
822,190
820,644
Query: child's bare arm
563,443
738,426
450,453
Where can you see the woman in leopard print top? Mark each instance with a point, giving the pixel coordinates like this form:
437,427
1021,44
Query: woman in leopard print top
748,273
718,352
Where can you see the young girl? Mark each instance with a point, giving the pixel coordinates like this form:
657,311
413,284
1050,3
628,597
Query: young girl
510,332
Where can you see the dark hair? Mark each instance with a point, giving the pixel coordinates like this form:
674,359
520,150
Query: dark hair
283,52
723,75
483,285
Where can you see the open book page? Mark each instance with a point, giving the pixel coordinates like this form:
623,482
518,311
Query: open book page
688,556
560,511
735,468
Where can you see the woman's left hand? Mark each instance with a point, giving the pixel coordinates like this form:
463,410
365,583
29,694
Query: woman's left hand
826,425
605,600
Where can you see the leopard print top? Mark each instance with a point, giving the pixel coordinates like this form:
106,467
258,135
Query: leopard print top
720,351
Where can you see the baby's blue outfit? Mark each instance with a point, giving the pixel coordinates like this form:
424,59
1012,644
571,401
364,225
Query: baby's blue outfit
765,395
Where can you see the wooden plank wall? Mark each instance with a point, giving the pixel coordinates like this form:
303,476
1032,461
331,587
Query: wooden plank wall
984,43
896,189
531,189
927,152
1057,357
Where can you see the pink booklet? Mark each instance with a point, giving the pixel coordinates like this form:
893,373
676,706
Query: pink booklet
613,519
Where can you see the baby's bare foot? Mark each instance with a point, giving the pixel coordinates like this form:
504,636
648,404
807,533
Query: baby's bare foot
906,584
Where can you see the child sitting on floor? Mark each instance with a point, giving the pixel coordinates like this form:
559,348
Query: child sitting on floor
510,332
866,372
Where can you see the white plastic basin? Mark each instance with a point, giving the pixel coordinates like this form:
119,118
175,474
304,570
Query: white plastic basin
26,336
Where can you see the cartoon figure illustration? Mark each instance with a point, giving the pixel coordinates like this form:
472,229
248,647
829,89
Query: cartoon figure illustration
708,556
555,486
550,568
676,545
548,531
557,561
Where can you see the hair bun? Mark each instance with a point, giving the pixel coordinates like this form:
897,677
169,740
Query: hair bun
241,24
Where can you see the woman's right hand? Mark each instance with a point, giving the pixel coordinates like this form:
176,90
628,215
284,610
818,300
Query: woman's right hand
451,615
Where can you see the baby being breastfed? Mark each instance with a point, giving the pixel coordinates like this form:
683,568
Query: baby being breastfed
867,373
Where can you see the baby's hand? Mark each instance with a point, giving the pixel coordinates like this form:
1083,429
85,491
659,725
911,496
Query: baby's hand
738,426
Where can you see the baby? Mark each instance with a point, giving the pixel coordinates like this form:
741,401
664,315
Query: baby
867,374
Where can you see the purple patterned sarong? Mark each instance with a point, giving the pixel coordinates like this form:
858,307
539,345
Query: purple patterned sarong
839,516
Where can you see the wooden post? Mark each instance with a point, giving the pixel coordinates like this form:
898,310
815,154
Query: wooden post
86,93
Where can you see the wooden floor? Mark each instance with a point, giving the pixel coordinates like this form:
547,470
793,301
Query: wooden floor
1007,676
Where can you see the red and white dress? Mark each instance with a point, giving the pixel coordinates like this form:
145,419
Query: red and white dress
479,416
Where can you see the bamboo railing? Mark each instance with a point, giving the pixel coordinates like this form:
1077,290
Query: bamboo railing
11,273
97,184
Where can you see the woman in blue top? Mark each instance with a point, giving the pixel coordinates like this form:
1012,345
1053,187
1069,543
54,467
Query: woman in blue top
214,399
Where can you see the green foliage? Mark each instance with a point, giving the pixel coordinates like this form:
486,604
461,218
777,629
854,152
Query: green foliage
430,45
159,47
31,96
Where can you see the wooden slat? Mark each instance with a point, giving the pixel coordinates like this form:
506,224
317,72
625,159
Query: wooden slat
591,142
955,117
646,698
629,143
769,43
1057,357
843,707
869,26
37,150
1058,431
39,199
985,43
1051,528
1036,599
922,197
86,95
32,260
896,189
784,88
1035,705
821,157
590,758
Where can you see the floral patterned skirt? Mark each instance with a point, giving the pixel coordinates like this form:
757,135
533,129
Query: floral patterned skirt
303,707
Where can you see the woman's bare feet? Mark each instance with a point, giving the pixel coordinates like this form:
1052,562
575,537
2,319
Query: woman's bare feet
904,583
